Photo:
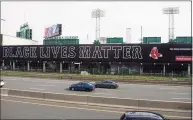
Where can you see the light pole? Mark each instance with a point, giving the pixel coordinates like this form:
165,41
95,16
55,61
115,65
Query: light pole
171,11
2,61
63,26
98,13
0,24
141,34
128,35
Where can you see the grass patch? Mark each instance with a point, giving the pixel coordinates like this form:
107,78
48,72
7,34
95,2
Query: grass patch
116,77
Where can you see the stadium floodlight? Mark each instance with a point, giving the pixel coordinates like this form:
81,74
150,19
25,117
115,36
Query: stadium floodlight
98,13
128,35
171,11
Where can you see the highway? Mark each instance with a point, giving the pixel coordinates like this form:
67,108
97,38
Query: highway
19,108
135,91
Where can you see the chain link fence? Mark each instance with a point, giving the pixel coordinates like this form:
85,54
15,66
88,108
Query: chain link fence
95,69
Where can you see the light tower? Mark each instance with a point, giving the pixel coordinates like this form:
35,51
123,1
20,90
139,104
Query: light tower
128,35
97,14
171,11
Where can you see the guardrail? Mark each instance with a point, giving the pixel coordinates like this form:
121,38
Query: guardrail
100,100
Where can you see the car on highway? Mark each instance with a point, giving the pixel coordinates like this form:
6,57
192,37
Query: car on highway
82,86
106,84
2,83
141,115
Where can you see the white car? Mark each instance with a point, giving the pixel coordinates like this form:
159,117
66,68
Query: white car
2,83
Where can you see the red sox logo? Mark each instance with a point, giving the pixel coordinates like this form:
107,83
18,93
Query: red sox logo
154,53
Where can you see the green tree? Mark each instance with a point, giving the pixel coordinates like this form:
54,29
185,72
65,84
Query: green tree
96,42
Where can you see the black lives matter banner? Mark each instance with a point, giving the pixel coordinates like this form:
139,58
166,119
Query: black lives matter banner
100,53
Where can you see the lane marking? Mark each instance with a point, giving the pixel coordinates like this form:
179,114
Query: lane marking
180,93
4,94
42,82
167,88
45,85
36,88
96,104
183,98
168,116
102,93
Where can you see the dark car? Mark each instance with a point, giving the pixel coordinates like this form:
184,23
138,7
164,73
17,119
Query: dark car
141,115
82,86
106,84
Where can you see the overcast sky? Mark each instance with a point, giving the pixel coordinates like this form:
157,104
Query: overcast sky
76,18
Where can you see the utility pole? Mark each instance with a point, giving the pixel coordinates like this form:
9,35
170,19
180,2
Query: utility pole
141,34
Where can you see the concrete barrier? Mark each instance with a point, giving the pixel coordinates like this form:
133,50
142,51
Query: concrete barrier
101,100
32,94
165,104
4,91
65,97
140,103
15,92
112,101
26,93
54,96
76,98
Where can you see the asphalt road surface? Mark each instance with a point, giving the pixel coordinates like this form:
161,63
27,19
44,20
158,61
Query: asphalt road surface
135,91
19,108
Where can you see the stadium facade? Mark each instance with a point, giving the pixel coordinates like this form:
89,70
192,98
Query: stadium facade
113,56
164,59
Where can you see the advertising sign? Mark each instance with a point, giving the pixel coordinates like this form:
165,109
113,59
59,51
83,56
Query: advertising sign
149,53
71,37
55,30
184,58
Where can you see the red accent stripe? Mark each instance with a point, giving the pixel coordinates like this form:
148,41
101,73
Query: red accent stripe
183,58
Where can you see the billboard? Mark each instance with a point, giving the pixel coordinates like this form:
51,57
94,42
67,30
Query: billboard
55,30
142,53
25,32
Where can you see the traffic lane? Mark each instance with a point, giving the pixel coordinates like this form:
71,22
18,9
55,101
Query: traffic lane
66,83
41,81
114,93
109,109
19,110
33,83
125,91
155,92
122,92
31,79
